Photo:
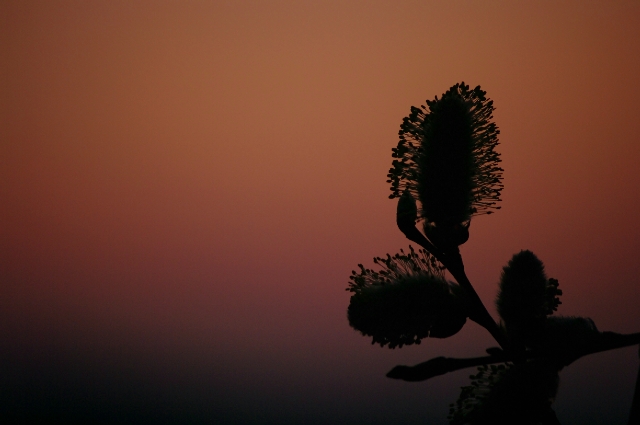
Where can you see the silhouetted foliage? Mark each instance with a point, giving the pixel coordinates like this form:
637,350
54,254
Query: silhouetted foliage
445,171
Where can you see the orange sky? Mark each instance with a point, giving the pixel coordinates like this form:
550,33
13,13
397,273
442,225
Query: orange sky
187,185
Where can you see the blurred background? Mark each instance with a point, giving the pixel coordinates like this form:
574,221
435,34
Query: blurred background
186,187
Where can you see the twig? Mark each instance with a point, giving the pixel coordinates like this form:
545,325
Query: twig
441,365
453,262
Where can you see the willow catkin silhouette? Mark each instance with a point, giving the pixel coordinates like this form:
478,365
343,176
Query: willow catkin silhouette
508,394
446,161
525,296
405,300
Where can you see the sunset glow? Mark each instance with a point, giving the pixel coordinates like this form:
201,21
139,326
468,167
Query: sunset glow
187,186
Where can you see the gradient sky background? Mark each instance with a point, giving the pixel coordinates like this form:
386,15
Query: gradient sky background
186,187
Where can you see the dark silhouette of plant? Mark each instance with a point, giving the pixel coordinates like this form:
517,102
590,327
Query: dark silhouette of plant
445,171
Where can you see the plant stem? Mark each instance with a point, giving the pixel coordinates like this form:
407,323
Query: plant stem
479,314
441,365
453,262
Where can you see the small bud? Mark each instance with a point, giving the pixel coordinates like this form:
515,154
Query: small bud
407,212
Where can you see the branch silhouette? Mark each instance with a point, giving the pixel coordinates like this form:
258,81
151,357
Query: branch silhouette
442,365
445,172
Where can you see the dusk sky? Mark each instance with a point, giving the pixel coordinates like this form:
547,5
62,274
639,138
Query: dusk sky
186,186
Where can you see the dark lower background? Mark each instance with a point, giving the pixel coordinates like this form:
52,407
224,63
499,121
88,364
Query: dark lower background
61,385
